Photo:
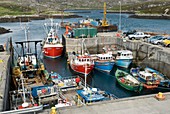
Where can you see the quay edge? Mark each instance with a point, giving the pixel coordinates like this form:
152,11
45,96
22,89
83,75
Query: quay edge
145,54
4,80
147,104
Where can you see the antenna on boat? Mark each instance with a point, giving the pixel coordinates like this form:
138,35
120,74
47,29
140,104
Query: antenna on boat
26,29
120,16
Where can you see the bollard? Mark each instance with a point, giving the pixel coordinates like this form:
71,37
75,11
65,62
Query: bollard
53,110
160,96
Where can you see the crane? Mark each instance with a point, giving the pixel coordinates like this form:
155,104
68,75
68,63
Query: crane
104,21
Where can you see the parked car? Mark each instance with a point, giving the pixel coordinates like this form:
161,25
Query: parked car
126,33
158,41
153,38
166,42
138,35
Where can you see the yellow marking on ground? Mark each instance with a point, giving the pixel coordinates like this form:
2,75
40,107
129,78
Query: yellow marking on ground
1,61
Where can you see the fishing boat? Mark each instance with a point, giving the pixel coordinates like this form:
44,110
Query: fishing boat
30,76
65,82
22,100
104,62
102,25
124,58
127,81
81,63
27,72
148,80
164,81
52,46
89,94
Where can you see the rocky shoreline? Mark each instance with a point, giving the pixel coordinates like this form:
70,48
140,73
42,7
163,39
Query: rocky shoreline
150,16
26,18
3,30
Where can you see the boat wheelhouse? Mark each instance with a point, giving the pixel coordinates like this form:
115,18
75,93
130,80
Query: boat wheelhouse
124,58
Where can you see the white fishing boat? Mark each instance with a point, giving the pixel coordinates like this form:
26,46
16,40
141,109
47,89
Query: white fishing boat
124,58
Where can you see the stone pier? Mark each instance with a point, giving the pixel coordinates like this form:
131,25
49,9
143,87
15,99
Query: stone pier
145,54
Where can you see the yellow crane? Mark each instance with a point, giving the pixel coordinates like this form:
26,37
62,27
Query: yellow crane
104,21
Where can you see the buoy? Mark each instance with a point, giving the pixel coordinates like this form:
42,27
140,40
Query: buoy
160,96
53,110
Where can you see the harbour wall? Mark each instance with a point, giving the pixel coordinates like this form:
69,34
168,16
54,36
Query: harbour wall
4,80
145,54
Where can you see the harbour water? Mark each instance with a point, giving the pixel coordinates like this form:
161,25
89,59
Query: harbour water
102,80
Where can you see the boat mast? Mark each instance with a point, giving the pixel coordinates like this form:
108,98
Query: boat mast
82,49
25,104
120,16
85,75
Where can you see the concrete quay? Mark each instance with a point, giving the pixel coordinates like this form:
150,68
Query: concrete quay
4,80
147,104
145,54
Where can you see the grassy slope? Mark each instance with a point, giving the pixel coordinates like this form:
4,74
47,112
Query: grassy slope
14,9
156,7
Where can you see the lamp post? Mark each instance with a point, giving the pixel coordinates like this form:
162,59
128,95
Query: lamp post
120,16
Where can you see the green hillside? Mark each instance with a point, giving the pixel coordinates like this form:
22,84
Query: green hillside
155,7
21,7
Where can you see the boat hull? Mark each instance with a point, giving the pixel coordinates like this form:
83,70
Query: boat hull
123,62
90,98
131,87
103,66
165,82
53,52
82,68
148,85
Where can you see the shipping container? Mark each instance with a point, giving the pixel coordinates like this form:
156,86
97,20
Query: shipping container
84,32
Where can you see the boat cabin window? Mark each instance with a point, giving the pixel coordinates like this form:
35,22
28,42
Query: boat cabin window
148,78
142,76
119,54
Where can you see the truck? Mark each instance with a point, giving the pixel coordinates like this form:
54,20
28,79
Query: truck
138,36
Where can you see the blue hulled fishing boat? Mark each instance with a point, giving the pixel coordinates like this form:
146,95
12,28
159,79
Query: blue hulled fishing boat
124,58
104,62
164,81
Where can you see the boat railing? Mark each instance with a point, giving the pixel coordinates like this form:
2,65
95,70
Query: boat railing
69,77
25,110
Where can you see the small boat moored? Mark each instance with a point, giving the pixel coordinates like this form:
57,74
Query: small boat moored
148,80
127,81
90,95
164,81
